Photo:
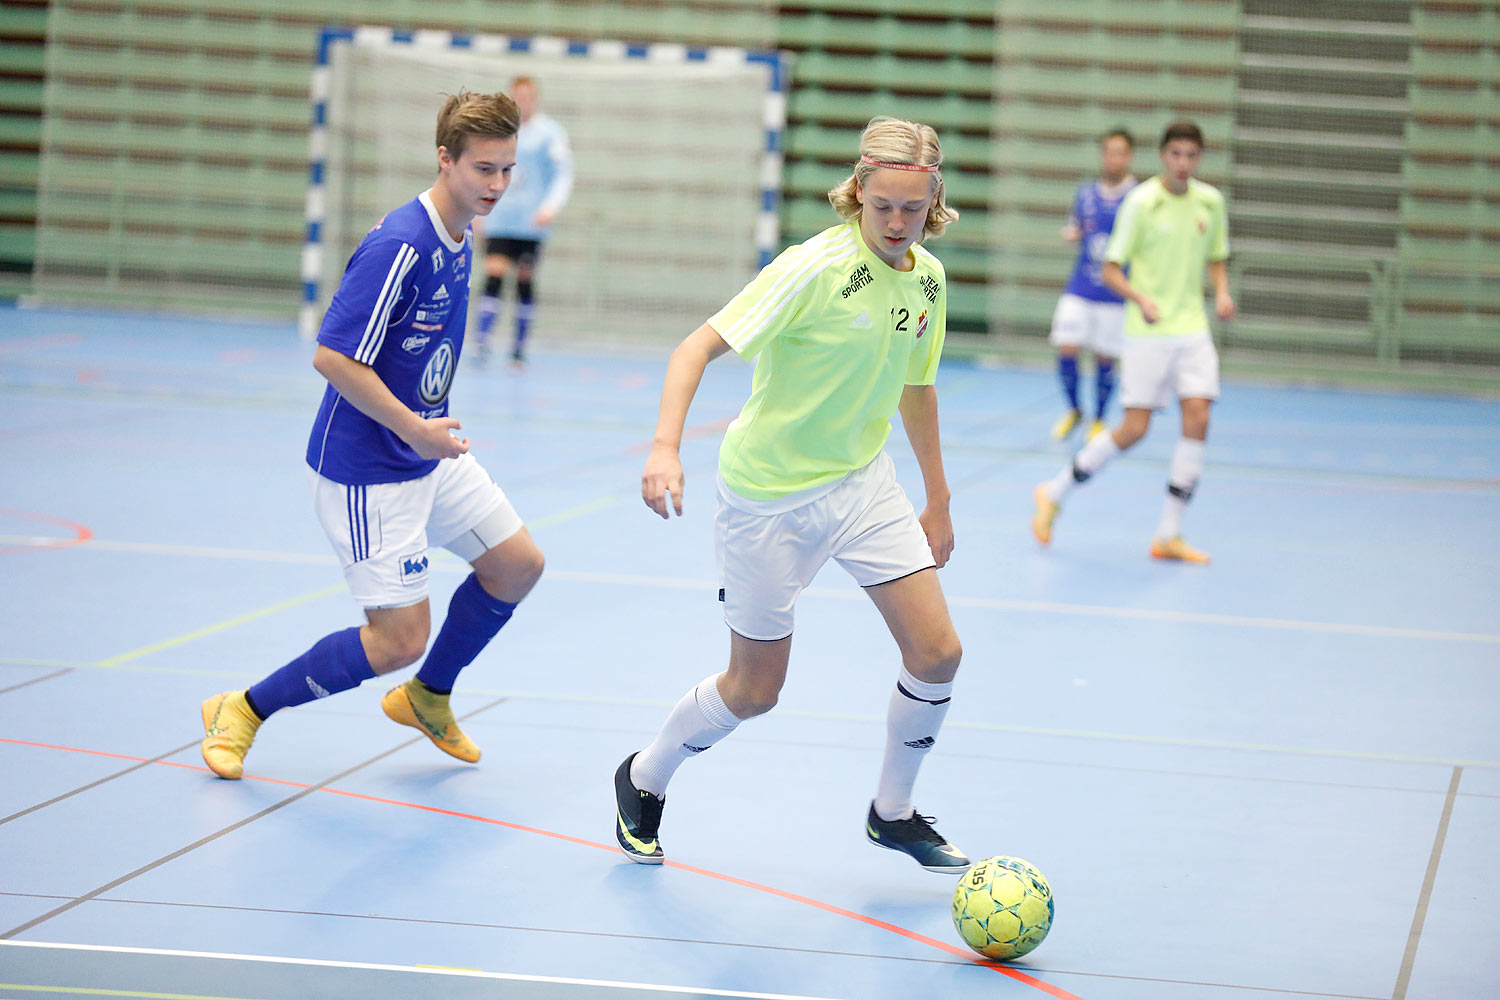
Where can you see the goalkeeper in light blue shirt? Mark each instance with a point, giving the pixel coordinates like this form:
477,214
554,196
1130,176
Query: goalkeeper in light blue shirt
515,231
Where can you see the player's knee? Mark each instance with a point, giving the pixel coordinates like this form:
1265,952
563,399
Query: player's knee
937,661
395,648
755,703
529,571
747,699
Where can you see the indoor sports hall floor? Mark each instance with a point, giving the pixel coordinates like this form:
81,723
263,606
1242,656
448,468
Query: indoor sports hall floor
1277,777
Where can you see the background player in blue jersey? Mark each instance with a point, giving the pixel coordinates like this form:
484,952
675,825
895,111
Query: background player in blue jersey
515,231
389,477
1090,315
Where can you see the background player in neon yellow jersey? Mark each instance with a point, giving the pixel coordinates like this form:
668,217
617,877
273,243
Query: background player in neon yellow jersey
1168,229
847,329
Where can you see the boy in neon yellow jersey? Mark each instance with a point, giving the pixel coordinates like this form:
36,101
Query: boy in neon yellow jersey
846,330
1167,231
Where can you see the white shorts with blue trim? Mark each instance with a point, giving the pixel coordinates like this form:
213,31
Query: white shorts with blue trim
381,532
865,523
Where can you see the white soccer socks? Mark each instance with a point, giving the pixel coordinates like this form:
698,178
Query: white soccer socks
697,722
911,728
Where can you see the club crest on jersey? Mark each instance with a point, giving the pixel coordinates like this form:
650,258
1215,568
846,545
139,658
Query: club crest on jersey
413,568
921,324
437,260
437,377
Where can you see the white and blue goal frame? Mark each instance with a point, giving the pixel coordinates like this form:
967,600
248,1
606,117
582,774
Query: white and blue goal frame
767,228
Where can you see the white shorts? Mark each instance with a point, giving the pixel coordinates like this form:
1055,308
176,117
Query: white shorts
866,523
1156,370
381,532
1093,326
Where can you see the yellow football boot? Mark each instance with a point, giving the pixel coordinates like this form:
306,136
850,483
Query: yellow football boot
1046,513
413,704
1176,548
1065,424
229,728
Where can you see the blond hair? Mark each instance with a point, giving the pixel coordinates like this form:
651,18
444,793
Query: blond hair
894,140
467,115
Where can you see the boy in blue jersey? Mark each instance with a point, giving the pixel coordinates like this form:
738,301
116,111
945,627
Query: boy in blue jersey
1091,315
515,231
389,477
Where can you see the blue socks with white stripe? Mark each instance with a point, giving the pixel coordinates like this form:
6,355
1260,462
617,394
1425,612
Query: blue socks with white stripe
474,617
336,663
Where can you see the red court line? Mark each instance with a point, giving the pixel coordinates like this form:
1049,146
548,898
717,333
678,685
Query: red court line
1054,991
81,533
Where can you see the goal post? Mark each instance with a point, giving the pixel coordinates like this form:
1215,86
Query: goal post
677,164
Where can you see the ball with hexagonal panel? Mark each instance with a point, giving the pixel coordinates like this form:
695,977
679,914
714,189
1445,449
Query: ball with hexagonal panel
1002,907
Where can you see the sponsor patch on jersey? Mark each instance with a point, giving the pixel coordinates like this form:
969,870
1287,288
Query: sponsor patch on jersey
437,260
417,341
431,327
437,377
459,261
859,278
413,568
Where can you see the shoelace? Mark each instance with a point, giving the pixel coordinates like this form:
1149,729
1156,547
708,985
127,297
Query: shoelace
650,814
919,827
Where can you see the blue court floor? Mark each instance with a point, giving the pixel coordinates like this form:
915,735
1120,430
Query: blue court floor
1275,777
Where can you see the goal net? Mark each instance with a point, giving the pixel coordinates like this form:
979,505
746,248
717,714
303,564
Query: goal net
676,167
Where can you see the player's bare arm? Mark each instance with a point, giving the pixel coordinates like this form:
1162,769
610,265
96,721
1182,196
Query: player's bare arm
663,472
1218,273
919,414
359,384
1114,277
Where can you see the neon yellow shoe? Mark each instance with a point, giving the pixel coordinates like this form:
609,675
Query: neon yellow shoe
413,704
1046,513
1176,548
229,728
1095,429
1065,424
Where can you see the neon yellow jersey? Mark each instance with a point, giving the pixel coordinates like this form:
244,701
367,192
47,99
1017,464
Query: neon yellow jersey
837,333
1166,239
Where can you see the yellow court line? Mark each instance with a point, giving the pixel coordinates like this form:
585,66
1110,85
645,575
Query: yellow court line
156,647
112,993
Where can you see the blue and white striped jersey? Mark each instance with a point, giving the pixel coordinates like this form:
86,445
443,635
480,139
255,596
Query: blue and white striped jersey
400,308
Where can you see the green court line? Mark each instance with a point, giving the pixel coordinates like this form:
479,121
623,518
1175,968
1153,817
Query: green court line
156,647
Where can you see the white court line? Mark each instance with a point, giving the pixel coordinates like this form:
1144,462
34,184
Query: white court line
453,565
424,970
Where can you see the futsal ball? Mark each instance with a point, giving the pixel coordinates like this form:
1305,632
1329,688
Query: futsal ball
1002,908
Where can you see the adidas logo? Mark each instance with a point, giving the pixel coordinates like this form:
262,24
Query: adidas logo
862,321
441,293
922,744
